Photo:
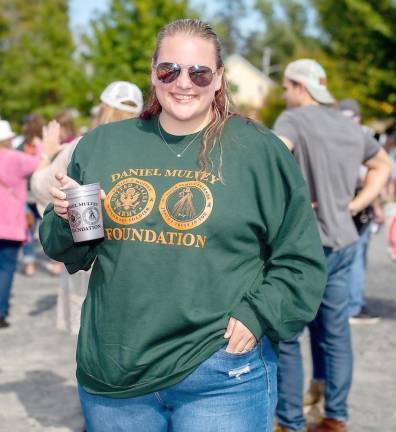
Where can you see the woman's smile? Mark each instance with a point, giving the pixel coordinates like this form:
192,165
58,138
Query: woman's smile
182,98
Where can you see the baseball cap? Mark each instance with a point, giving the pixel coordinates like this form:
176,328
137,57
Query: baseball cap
311,74
349,107
5,130
124,96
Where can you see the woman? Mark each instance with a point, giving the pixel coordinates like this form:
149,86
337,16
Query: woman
120,100
15,168
210,256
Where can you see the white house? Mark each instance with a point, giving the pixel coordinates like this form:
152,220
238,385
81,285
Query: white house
249,85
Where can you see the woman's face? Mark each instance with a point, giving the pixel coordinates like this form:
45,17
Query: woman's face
184,103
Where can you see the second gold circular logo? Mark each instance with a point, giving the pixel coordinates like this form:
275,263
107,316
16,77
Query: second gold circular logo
186,205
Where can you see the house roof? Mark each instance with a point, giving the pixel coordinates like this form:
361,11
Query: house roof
261,75
249,86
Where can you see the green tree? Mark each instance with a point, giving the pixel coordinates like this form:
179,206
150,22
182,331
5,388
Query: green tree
227,24
360,35
37,70
274,105
123,40
284,32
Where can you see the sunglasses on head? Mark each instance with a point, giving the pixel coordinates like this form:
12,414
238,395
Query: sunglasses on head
201,76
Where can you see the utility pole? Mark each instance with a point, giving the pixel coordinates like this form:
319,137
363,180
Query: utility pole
267,52
267,68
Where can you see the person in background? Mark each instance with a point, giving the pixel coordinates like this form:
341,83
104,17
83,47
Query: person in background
211,254
15,168
68,130
120,100
67,133
390,196
329,148
390,146
31,130
358,311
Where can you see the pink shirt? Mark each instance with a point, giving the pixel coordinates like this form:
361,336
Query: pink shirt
15,168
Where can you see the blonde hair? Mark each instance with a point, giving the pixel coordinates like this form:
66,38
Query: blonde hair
221,105
108,114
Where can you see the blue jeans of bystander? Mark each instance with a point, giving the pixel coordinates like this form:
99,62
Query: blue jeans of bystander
29,254
330,343
358,273
8,261
227,392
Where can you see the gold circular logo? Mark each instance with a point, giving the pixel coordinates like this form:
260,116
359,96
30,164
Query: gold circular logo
130,201
186,205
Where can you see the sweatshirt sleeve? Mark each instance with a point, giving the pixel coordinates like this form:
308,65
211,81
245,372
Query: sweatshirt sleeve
56,237
57,241
287,293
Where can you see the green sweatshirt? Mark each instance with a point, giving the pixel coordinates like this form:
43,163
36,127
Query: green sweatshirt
184,251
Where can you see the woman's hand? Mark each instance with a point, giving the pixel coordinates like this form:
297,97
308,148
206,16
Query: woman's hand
59,197
51,138
240,338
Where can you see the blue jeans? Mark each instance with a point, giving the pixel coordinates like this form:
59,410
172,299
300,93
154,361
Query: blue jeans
227,392
358,273
29,254
8,262
331,349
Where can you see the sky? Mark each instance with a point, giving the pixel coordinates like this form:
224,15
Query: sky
81,11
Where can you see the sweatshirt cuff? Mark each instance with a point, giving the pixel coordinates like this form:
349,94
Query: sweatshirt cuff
57,241
244,313
59,230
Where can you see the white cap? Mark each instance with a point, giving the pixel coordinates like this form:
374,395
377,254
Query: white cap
119,93
5,130
313,77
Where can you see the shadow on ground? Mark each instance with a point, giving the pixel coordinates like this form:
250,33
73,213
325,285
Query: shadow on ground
44,304
384,308
36,394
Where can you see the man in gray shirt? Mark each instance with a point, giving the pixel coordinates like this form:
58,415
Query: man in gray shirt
329,149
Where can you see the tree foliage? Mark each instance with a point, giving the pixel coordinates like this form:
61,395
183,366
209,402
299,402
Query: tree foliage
360,36
123,40
284,31
354,40
37,70
227,24
40,72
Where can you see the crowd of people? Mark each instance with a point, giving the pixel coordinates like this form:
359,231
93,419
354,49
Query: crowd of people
193,304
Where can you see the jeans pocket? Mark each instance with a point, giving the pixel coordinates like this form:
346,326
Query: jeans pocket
244,354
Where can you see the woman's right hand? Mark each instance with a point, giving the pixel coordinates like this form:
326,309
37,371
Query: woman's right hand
59,197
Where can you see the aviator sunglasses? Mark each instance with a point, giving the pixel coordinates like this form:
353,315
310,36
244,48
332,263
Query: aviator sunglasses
201,76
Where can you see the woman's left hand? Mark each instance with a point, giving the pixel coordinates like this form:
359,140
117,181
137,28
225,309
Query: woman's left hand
240,338
51,138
